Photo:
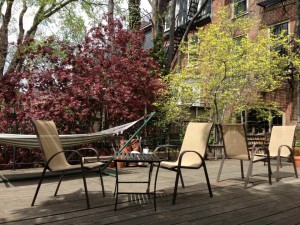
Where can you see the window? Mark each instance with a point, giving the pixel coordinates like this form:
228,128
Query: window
240,7
238,39
192,45
278,29
207,8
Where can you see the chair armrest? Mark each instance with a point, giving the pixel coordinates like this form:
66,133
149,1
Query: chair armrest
61,152
288,147
160,147
165,148
77,152
189,151
260,147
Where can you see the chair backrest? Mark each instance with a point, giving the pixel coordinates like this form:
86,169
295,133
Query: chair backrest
235,141
281,135
196,139
50,144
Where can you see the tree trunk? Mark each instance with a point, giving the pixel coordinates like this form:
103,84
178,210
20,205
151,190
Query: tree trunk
134,14
171,36
159,11
4,35
298,18
110,10
44,12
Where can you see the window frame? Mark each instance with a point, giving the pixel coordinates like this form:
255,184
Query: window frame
271,29
234,2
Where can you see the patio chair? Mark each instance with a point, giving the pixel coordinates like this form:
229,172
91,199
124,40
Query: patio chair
55,159
281,146
236,147
191,155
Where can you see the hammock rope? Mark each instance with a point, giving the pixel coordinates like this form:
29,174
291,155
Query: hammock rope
31,141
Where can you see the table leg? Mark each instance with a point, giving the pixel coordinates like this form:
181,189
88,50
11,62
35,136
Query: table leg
154,191
116,193
149,178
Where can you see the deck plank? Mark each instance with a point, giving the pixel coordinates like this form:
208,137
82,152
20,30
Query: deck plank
261,203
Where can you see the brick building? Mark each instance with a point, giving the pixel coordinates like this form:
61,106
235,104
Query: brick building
277,15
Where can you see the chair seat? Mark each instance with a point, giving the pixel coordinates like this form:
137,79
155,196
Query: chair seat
245,157
173,165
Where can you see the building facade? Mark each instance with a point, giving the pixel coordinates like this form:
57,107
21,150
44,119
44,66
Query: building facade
277,15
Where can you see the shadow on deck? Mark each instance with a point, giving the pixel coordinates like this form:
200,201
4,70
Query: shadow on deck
232,204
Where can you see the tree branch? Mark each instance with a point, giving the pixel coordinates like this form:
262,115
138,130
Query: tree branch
93,3
21,17
188,28
4,35
1,5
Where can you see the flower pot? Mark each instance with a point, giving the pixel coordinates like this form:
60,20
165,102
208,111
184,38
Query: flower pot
121,164
297,161
111,164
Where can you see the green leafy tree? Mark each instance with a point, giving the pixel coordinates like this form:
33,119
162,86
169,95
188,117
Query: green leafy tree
226,70
27,19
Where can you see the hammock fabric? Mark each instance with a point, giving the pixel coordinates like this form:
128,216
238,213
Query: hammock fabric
31,141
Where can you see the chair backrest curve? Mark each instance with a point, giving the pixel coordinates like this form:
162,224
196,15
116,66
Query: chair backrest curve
281,135
196,139
235,141
50,144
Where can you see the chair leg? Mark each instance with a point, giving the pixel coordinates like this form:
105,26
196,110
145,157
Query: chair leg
85,189
295,168
59,182
102,184
242,169
178,172
221,167
207,179
38,187
269,170
181,179
278,164
248,173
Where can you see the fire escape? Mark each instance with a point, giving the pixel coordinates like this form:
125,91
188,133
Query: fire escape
268,3
180,29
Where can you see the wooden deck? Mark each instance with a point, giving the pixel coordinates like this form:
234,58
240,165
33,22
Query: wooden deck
261,203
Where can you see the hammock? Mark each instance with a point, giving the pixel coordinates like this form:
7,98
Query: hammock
31,141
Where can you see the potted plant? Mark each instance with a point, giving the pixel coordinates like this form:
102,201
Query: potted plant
297,153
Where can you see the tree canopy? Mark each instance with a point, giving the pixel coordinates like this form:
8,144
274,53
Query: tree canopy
78,85
226,70
21,20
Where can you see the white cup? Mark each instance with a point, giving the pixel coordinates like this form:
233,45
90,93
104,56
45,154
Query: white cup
145,150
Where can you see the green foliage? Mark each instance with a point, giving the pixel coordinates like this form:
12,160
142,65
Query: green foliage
226,70
134,14
158,52
72,26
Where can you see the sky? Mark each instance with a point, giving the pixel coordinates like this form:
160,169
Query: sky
145,5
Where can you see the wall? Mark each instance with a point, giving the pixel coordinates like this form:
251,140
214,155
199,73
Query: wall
286,96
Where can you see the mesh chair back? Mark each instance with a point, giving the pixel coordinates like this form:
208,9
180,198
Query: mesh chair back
50,144
235,141
281,135
195,139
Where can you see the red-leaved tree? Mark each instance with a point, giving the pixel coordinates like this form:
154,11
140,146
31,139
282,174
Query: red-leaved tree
108,79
